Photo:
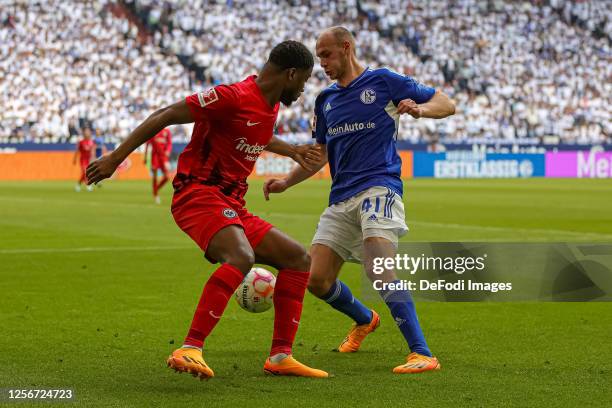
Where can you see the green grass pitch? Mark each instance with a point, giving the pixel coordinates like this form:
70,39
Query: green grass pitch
98,288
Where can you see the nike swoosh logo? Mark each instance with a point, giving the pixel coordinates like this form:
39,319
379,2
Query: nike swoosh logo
295,321
249,123
213,315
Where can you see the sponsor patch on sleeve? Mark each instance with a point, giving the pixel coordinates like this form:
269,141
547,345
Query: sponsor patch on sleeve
208,97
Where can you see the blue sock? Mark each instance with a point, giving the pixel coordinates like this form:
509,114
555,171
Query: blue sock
404,313
340,298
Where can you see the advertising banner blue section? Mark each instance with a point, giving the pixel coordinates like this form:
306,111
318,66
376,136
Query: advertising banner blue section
467,164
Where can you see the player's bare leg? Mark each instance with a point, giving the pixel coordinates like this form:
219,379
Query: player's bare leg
231,248
325,267
324,284
291,259
154,185
164,180
83,178
401,306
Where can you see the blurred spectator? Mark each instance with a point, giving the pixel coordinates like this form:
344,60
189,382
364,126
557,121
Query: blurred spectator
518,71
68,65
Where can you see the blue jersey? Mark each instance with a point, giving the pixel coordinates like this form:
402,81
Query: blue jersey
99,143
359,124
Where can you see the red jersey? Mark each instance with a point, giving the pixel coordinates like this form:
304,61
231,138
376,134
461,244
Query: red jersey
86,149
161,143
233,125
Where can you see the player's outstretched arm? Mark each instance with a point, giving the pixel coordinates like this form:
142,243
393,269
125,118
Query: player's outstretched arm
176,114
297,175
307,156
438,107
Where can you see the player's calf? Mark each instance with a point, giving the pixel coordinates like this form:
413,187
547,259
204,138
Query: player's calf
231,247
320,285
324,269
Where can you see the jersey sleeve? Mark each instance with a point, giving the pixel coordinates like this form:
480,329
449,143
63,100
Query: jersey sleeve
319,125
405,87
214,104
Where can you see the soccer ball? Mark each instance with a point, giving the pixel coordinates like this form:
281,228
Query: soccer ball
255,292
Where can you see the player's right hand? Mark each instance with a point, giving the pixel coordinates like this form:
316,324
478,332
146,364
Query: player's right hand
308,156
410,107
101,169
274,186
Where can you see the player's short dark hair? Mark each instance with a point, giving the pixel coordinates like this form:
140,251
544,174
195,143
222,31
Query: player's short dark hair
291,54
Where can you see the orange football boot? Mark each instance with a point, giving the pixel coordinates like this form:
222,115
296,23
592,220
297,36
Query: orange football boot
190,360
417,363
290,366
358,333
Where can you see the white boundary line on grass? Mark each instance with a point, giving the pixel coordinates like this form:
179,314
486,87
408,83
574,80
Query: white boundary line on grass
91,249
518,230
108,204
473,227
525,231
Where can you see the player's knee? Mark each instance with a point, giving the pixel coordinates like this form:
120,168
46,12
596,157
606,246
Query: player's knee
242,258
298,260
319,286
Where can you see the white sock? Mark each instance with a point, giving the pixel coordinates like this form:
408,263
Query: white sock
190,346
277,358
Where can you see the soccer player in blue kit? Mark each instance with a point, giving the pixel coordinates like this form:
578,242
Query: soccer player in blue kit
356,122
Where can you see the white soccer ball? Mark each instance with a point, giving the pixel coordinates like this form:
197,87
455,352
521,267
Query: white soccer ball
255,292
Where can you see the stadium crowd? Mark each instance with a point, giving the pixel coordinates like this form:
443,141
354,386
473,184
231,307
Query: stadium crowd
68,65
530,71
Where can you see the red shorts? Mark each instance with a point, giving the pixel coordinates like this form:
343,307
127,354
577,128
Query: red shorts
201,211
159,162
84,164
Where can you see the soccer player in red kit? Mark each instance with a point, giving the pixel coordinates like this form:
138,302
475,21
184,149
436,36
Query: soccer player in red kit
233,125
161,147
84,152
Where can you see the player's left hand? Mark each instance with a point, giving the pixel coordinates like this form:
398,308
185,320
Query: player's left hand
410,107
307,156
102,168
274,186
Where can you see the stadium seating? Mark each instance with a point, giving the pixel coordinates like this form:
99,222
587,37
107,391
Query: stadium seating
525,71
